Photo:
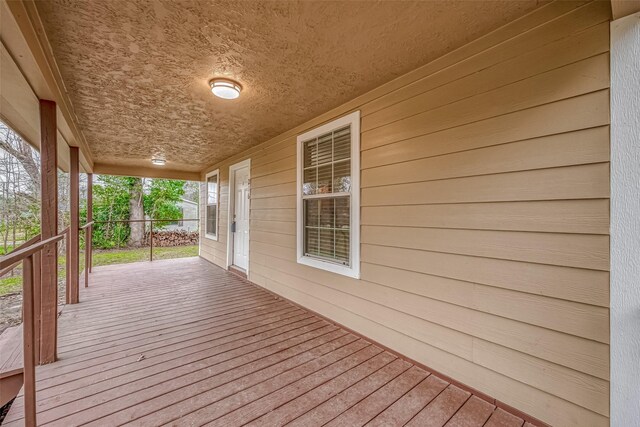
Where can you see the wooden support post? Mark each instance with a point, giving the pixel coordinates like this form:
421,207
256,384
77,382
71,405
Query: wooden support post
88,243
74,230
151,242
49,228
29,358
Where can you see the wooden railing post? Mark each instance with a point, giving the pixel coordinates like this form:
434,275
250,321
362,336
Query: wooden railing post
28,309
37,291
36,288
151,242
67,266
87,256
26,254
90,246
87,251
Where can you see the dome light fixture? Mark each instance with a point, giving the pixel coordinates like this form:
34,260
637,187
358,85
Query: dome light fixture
158,162
225,88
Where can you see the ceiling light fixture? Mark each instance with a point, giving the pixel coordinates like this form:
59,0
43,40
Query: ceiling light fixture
225,88
158,162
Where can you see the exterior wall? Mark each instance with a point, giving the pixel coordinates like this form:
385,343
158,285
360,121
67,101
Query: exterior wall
485,216
625,221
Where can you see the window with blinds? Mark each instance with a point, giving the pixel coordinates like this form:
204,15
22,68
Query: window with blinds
326,195
211,223
326,192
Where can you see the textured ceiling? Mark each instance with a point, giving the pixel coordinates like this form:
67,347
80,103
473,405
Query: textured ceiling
136,71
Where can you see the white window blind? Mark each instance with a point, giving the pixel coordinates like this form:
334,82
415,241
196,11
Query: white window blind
327,193
326,196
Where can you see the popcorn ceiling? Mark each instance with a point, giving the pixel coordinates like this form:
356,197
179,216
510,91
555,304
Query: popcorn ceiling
137,72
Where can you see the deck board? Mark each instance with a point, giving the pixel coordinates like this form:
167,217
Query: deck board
441,409
405,408
376,402
183,342
309,400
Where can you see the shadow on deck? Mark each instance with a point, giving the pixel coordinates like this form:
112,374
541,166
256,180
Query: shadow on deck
186,343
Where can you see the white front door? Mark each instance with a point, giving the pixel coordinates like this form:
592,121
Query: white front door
241,218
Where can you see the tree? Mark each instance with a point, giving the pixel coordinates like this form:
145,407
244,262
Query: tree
19,189
115,199
162,198
136,212
29,159
154,199
127,198
192,191
64,200
111,204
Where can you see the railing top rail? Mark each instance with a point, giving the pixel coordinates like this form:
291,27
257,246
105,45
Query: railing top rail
21,254
29,242
86,225
146,220
172,220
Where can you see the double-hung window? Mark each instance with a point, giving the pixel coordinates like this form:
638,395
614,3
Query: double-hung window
212,199
329,196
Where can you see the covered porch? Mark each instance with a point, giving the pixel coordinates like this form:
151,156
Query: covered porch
184,342
420,215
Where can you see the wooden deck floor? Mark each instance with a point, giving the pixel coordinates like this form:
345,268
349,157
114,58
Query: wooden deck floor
183,342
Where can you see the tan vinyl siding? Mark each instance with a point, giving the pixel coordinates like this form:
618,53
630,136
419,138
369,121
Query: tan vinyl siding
485,216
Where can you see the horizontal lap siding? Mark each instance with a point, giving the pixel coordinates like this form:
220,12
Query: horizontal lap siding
485,216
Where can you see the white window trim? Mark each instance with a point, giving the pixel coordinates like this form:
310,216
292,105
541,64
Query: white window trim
625,220
352,270
212,236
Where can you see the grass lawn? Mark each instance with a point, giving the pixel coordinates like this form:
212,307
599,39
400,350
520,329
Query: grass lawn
10,285
123,256
106,257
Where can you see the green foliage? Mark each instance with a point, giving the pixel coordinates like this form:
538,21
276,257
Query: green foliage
30,220
161,200
110,203
111,196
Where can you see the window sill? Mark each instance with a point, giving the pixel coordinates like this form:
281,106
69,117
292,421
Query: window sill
328,266
211,237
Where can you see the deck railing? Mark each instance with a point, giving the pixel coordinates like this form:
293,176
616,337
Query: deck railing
35,239
29,242
88,230
30,309
145,221
29,254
